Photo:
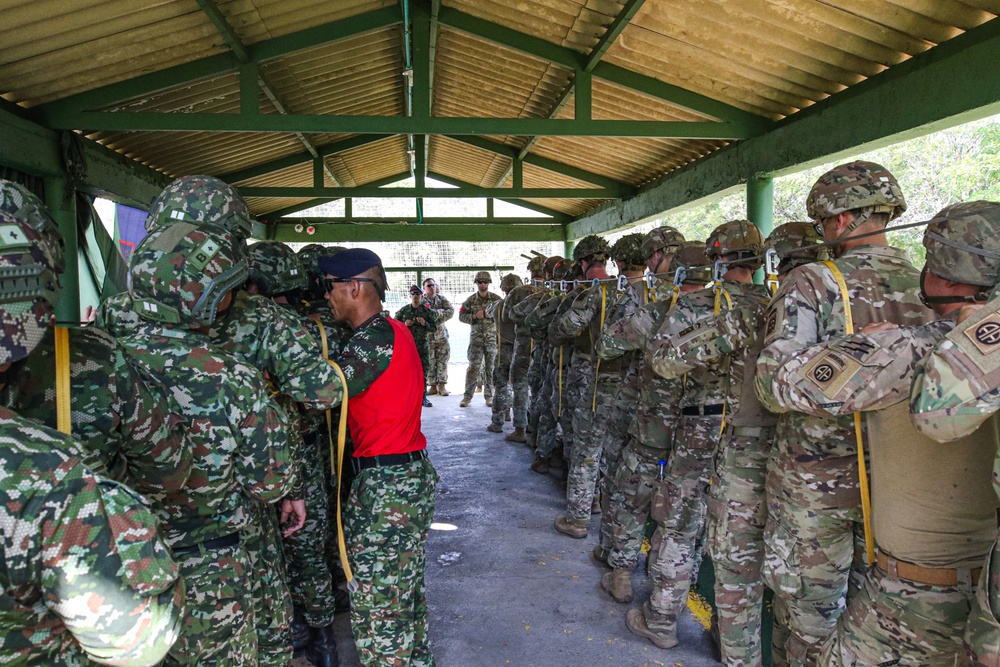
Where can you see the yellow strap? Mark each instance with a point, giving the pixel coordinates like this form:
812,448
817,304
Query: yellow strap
719,293
337,458
675,294
560,380
64,419
597,369
866,499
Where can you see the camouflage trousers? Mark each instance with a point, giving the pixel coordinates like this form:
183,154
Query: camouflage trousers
512,376
482,361
618,423
437,364
813,560
269,591
218,626
679,508
503,397
519,380
309,578
632,493
557,417
899,622
424,352
982,633
737,512
590,429
387,520
577,411
536,378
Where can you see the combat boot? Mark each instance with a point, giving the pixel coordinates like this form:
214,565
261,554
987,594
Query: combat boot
494,428
427,404
557,459
302,632
574,529
443,390
517,435
465,402
323,651
479,388
432,390
540,465
600,555
506,415
636,622
618,584
489,401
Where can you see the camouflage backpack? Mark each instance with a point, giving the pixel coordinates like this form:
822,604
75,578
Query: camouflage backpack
275,269
201,199
593,248
863,187
963,243
738,242
627,252
795,244
664,238
19,202
29,286
181,272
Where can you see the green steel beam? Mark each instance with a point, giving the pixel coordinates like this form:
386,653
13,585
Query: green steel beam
539,48
628,11
760,203
224,62
428,192
63,210
396,232
893,106
431,57
229,36
299,158
544,163
125,121
321,220
557,216
288,210
530,144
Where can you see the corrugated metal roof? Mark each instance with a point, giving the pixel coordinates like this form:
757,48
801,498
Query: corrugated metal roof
767,57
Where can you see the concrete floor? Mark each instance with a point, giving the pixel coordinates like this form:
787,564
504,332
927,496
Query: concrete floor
503,587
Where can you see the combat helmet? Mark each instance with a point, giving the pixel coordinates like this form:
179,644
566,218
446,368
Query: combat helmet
664,238
593,248
628,252
963,243
863,187
309,260
738,242
550,265
29,286
691,257
275,269
567,269
181,272
536,266
796,243
510,281
201,199
19,202
482,276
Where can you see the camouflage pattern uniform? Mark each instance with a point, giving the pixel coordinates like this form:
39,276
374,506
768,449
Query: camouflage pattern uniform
538,319
86,574
567,389
521,355
503,396
241,451
421,332
539,357
437,372
482,342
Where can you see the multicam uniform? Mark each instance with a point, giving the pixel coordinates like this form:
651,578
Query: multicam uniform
421,333
736,508
437,371
567,388
813,487
538,313
503,397
482,344
520,357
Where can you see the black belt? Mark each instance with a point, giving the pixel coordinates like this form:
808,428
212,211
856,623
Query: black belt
230,540
360,463
703,410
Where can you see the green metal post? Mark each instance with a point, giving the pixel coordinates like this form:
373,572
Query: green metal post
64,211
582,100
489,208
568,248
760,210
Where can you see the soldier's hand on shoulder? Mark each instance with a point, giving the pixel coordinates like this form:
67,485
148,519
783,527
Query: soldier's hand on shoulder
878,326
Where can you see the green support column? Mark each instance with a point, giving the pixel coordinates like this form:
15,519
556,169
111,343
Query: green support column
568,249
760,210
64,212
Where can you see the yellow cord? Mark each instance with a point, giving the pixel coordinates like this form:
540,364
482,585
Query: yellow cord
866,500
64,413
337,458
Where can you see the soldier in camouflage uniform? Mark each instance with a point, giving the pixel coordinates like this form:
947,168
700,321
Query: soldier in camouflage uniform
278,274
482,340
933,510
421,320
814,501
437,366
86,573
657,249
736,509
657,414
540,357
521,354
391,504
182,276
503,396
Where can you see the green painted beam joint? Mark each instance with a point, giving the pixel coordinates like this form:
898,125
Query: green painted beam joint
391,232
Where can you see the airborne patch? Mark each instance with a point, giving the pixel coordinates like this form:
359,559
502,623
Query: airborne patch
980,341
831,371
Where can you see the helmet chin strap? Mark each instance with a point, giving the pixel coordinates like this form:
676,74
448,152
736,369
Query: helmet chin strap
928,300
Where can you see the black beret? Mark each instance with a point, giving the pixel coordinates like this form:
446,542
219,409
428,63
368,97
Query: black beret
348,263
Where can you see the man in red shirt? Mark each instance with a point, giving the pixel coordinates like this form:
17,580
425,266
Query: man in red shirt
391,505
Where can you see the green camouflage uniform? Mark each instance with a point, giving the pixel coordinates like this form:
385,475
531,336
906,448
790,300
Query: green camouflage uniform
422,333
737,510
85,574
573,378
386,522
482,344
437,371
600,380
651,434
814,506
503,397
526,380
538,310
